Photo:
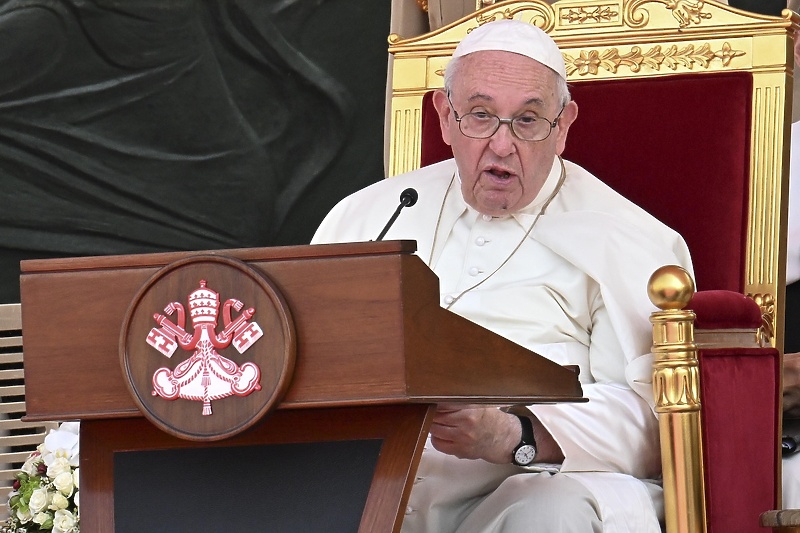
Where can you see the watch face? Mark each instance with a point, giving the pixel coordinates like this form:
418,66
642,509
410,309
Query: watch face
524,454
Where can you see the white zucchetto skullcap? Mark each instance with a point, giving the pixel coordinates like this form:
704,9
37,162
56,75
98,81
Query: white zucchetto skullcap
514,36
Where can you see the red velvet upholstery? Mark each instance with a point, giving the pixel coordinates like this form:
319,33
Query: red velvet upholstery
433,148
735,387
693,153
724,310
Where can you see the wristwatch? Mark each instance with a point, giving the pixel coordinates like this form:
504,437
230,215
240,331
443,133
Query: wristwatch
525,451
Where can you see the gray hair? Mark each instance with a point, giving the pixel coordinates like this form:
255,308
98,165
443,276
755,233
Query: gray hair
454,66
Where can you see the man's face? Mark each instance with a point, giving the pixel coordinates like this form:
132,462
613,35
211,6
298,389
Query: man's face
503,174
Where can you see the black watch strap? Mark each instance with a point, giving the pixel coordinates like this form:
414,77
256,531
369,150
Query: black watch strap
527,430
525,451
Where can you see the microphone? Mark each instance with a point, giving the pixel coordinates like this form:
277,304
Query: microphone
407,198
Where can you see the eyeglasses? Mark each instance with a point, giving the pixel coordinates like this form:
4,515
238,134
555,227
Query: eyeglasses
482,125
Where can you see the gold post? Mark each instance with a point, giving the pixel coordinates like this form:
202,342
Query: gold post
676,386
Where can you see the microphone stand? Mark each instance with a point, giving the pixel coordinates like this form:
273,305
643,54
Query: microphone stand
407,198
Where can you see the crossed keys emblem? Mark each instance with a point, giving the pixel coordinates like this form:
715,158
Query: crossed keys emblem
206,375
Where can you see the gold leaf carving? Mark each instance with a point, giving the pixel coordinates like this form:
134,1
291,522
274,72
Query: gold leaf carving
727,53
539,16
494,15
767,304
591,61
581,15
677,387
685,12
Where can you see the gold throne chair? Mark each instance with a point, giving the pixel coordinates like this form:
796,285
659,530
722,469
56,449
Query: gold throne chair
685,108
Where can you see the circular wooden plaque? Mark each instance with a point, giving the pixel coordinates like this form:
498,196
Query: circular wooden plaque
207,347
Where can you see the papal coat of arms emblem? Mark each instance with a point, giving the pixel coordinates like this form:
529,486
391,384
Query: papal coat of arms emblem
207,335
206,375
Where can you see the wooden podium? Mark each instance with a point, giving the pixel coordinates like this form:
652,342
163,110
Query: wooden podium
374,353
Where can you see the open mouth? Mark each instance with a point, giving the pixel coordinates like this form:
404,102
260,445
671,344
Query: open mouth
499,173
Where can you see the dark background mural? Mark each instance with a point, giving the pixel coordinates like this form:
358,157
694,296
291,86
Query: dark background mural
765,7
157,125
131,126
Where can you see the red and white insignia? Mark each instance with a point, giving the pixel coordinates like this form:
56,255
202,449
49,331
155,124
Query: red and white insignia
206,375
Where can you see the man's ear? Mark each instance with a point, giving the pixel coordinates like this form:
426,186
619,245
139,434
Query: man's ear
566,119
445,112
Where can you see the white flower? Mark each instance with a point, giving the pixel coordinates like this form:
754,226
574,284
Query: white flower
64,522
72,427
48,502
41,518
76,498
24,516
63,483
59,501
30,464
62,442
58,466
40,499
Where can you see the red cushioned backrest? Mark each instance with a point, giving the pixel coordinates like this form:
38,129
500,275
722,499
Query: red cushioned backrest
433,148
678,146
733,464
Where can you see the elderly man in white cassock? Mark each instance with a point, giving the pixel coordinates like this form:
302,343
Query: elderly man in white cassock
540,251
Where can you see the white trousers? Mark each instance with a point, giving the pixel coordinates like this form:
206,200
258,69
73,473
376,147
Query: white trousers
791,481
452,495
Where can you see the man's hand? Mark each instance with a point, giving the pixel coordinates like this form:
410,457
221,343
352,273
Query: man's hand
475,432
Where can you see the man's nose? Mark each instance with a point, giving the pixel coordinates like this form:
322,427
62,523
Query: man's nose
503,142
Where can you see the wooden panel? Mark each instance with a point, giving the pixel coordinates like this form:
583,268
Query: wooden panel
402,428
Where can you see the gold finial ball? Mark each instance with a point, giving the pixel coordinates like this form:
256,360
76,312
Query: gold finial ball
670,287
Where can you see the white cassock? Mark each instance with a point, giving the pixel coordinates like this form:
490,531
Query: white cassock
793,223
791,481
571,286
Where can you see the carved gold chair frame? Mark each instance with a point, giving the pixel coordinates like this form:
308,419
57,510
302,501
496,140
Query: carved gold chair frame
616,39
